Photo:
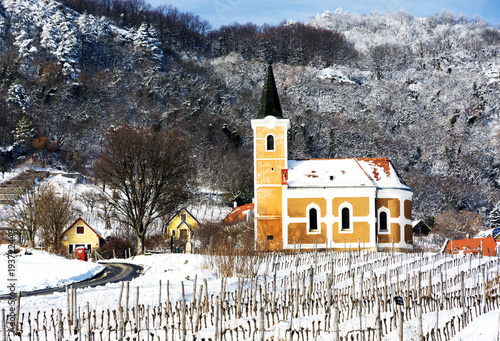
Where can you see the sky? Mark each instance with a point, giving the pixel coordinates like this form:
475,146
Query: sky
224,12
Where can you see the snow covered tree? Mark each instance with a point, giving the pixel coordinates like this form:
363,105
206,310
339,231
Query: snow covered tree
24,132
495,216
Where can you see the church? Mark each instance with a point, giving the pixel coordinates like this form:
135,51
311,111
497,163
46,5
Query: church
338,204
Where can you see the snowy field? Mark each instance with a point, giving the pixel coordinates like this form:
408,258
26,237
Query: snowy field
42,270
279,279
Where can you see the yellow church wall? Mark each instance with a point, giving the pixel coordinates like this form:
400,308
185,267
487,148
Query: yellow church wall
360,229
297,233
269,201
297,207
262,132
408,234
395,234
269,171
392,204
279,149
269,227
360,206
407,207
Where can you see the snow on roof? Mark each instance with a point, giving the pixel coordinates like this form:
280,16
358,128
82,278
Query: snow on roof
239,213
491,232
344,173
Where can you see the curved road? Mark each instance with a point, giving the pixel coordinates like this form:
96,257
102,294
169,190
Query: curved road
114,272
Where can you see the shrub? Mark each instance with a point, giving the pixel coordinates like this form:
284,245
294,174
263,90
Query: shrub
119,244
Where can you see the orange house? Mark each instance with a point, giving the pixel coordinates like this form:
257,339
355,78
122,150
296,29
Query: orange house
324,203
486,246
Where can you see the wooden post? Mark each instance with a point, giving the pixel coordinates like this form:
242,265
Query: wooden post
120,325
462,291
60,325
68,306
261,323
137,320
336,323
87,315
126,301
159,295
4,326
420,331
378,322
75,303
183,314
217,312
483,301
400,323
18,308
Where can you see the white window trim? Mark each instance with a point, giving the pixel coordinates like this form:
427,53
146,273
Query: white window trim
388,213
318,219
341,207
274,143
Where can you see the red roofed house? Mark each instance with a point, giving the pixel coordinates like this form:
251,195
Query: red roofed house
239,214
486,246
80,233
328,203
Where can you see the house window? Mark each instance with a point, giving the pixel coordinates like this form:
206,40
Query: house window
173,233
183,234
313,219
89,247
270,142
70,248
80,229
346,219
383,221
183,216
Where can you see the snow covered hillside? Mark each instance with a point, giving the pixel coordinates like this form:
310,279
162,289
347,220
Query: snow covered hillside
421,91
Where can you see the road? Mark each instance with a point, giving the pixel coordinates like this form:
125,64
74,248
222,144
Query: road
114,272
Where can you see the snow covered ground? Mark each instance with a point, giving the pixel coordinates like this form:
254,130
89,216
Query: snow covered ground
180,271
42,270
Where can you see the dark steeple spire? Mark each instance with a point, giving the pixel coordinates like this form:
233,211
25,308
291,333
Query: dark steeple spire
270,102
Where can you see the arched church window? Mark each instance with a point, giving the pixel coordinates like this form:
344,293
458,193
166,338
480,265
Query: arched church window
383,221
270,142
346,219
313,219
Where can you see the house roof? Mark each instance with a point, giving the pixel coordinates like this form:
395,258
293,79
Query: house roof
348,172
493,232
473,245
179,212
270,101
74,223
239,213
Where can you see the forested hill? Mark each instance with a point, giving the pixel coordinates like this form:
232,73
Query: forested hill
422,91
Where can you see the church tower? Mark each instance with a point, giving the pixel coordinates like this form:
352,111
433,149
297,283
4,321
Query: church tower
270,150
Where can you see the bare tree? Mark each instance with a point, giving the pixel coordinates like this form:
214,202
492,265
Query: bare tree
22,214
453,224
55,212
149,173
